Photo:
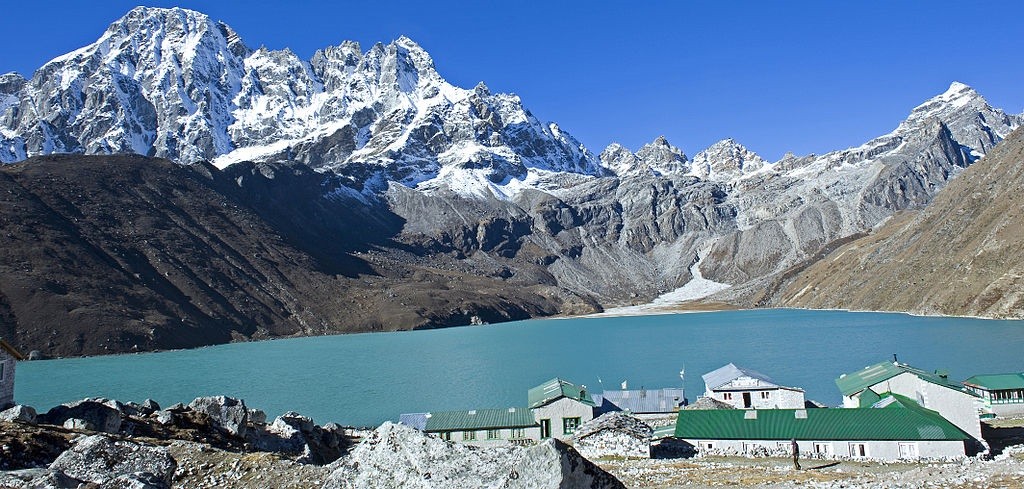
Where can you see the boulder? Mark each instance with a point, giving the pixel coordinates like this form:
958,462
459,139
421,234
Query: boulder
19,414
397,456
165,418
101,460
298,435
95,414
614,434
226,413
257,417
148,407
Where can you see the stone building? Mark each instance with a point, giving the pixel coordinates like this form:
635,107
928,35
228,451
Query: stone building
1001,394
9,357
746,389
614,434
932,390
896,427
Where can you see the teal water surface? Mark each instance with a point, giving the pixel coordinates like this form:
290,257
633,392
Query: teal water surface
364,379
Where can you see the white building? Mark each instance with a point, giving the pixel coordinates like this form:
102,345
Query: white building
746,389
560,407
932,390
9,357
894,428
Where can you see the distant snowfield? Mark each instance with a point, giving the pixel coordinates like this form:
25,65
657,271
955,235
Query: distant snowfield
697,288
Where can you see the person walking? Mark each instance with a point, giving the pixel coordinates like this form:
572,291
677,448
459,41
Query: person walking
796,454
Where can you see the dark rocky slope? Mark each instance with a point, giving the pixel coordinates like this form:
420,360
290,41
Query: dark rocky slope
961,255
109,254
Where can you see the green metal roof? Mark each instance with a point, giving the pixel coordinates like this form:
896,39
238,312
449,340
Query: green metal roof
997,382
913,422
556,389
480,419
855,382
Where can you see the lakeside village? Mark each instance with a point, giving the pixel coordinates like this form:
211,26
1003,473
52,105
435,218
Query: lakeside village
891,411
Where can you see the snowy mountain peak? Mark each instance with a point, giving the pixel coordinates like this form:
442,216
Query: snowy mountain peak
656,158
726,160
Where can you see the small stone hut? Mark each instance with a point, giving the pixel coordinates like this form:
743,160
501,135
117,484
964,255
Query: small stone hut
614,434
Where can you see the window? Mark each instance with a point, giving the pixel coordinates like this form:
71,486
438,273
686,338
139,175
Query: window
468,435
908,450
446,435
858,450
493,434
569,425
822,448
765,394
707,445
727,396
518,433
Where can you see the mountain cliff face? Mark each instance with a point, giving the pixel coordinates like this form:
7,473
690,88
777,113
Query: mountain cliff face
172,83
961,255
371,169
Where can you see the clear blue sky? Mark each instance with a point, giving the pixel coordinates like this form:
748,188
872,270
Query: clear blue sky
806,77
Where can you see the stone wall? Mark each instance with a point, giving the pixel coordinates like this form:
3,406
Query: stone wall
832,449
7,364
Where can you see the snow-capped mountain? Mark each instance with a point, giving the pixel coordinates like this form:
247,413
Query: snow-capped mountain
173,83
472,174
655,158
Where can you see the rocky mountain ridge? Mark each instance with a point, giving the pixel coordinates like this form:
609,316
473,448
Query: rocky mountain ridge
958,256
377,186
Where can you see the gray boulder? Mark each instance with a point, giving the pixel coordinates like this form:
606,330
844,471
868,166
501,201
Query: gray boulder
298,435
148,407
165,418
95,415
226,413
19,414
397,456
101,460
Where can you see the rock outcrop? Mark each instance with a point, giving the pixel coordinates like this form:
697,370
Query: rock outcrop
115,463
614,434
396,456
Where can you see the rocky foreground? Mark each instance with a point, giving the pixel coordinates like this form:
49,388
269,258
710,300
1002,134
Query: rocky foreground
220,442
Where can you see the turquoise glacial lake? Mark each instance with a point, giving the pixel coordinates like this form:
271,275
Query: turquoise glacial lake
365,379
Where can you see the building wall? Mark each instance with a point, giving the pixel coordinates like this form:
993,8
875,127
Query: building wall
611,443
7,383
563,408
957,407
505,435
880,450
776,398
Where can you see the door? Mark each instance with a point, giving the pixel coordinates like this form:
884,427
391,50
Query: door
545,428
746,400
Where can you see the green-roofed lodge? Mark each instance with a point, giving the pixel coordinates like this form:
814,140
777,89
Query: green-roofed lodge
556,408
932,390
894,427
1002,394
